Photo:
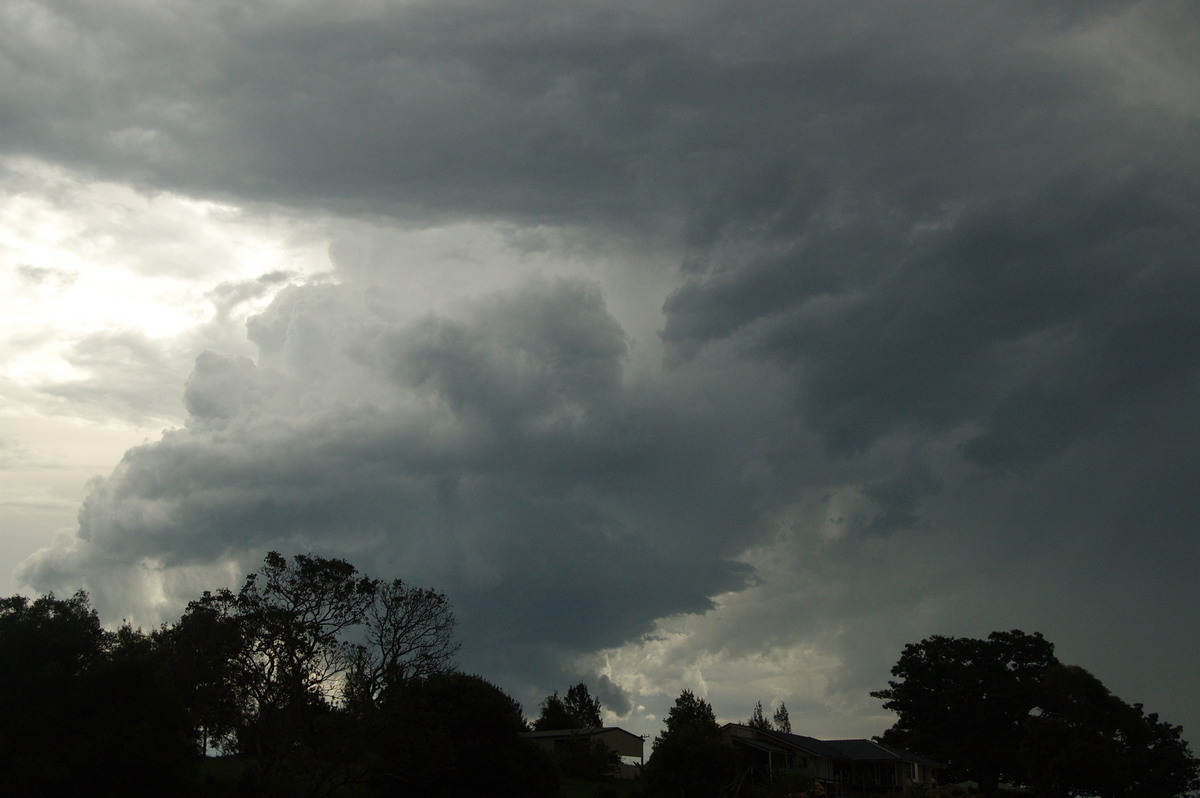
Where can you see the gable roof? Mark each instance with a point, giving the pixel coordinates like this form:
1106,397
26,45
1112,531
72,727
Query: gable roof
864,750
909,756
761,745
846,750
543,735
810,744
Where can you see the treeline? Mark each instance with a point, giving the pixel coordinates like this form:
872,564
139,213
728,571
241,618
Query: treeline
1002,712
315,678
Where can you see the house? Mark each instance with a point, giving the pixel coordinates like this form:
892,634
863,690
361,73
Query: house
843,768
627,745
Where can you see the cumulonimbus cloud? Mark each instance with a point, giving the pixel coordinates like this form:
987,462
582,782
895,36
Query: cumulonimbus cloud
929,326
505,456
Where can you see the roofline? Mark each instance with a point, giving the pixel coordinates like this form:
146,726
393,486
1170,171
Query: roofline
794,740
888,754
588,732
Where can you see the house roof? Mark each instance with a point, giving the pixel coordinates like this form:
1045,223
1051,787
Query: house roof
852,750
810,744
909,756
542,735
865,750
761,745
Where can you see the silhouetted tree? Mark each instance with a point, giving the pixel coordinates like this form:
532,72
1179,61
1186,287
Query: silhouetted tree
131,711
293,668
409,634
783,723
964,701
46,648
757,719
453,734
578,756
579,710
553,715
206,648
1085,741
297,615
779,721
1006,708
84,711
272,666
689,759
1162,764
583,707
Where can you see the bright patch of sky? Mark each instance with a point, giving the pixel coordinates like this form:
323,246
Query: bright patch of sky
95,276
82,257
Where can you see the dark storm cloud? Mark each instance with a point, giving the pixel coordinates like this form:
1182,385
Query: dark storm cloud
933,328
509,108
1036,320
447,108
505,457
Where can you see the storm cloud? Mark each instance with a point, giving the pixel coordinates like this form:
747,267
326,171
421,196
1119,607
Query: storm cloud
730,345
504,455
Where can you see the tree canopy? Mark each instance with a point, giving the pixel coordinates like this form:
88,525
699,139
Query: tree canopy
1083,740
689,759
578,756
964,701
779,721
304,633
1005,709
323,679
84,711
454,734
268,668
757,719
289,669
578,710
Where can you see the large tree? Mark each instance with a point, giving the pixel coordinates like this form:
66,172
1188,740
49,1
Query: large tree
85,711
453,734
1006,709
964,701
1083,740
301,641
579,756
407,633
206,646
689,759
578,710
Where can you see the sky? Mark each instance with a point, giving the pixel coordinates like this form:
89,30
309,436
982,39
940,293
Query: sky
722,346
